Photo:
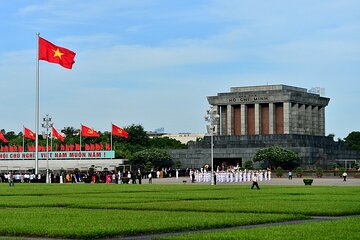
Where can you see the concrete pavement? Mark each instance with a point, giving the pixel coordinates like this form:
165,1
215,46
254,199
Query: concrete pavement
325,181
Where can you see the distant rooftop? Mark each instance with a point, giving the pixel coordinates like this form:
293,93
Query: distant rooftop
267,88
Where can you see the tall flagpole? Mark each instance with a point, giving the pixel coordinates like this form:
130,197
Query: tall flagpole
23,143
80,139
37,107
111,139
51,145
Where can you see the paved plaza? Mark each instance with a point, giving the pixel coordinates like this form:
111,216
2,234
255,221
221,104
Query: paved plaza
326,181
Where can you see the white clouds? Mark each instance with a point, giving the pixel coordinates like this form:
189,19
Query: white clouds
124,58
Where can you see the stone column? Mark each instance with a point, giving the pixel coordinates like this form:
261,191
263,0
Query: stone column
230,122
315,120
217,129
257,119
243,119
222,120
294,117
287,108
322,121
272,123
301,119
308,120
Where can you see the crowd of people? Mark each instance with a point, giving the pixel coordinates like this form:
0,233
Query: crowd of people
107,177
230,175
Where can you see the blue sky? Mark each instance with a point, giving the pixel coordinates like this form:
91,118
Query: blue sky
154,62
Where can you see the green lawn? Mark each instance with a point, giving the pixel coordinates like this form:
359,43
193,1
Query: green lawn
347,228
100,210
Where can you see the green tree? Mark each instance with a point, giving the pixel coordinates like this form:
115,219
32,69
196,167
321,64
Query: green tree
166,143
299,172
148,166
353,140
137,135
249,164
158,158
178,164
279,171
276,156
70,131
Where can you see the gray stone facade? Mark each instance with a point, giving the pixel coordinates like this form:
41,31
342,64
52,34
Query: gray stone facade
314,150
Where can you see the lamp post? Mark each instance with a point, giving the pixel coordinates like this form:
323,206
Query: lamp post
211,117
47,124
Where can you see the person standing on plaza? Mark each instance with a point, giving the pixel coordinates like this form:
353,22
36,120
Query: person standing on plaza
139,176
150,178
11,179
255,182
344,175
290,175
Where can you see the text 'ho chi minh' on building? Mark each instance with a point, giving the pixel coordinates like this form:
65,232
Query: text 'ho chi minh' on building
276,109
252,118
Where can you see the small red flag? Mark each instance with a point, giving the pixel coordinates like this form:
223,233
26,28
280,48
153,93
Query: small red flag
118,131
55,54
2,138
107,147
88,132
29,134
57,135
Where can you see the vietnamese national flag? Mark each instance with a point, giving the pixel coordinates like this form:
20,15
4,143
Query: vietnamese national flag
88,132
2,138
118,131
55,54
29,134
57,135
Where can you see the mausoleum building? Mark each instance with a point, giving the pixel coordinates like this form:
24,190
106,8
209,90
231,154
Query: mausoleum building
274,109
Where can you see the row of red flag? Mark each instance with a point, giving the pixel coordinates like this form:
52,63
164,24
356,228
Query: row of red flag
85,132
70,147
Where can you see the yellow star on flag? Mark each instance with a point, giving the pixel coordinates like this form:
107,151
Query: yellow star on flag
57,53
